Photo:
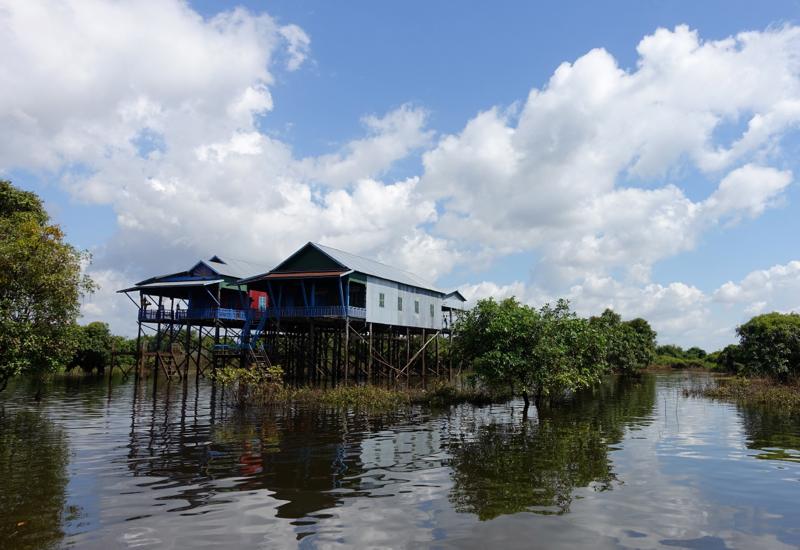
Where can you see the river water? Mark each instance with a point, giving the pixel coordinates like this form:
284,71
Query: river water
624,465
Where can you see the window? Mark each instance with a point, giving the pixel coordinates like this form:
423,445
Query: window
399,304
416,306
381,300
431,310
262,303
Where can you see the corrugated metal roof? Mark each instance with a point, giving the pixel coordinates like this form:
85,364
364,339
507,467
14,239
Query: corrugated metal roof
455,294
376,269
236,268
171,284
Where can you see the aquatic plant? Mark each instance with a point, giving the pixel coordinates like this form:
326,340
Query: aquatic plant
762,391
264,387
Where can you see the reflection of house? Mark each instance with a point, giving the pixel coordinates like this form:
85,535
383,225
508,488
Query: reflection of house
207,291
319,281
400,448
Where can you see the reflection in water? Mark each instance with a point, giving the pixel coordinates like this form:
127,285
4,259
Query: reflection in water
310,459
509,466
776,435
506,468
126,466
34,455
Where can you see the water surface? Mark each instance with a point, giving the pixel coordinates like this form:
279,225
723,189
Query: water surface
625,465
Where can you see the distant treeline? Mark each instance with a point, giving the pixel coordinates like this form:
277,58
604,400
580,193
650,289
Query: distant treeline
769,345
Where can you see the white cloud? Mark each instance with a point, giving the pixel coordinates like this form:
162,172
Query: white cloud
555,180
778,285
392,138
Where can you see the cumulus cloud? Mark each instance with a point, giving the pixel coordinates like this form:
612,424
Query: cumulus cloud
572,175
392,138
780,285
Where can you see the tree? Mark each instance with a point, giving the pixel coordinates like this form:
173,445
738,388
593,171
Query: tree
543,353
40,286
695,353
770,345
670,350
93,348
729,359
630,345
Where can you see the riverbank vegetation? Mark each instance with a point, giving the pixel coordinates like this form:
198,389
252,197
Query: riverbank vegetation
266,388
762,391
766,364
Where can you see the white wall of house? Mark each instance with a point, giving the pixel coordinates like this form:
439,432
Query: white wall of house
390,314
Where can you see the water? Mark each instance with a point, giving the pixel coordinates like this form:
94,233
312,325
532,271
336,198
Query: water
624,466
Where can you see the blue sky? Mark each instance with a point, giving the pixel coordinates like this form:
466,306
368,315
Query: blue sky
634,155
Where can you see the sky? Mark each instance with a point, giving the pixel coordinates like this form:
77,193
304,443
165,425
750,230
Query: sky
639,155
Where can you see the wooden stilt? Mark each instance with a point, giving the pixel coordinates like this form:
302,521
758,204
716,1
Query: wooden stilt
369,359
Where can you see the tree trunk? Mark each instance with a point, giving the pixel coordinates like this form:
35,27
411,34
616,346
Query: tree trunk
5,383
527,405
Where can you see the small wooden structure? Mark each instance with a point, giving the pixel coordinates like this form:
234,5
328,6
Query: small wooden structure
322,315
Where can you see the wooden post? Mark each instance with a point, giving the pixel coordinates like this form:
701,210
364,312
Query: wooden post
369,360
346,349
422,343
408,357
137,371
187,354
437,356
141,359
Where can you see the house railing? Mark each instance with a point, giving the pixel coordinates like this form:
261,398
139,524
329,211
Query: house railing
167,315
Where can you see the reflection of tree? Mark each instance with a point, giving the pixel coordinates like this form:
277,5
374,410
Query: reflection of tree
34,455
776,435
508,466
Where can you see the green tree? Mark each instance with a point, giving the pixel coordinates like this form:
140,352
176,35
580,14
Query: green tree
93,348
670,351
770,345
542,353
695,353
40,286
630,345
729,359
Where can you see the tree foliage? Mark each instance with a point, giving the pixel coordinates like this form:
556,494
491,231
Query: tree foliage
630,345
93,348
40,286
543,353
770,345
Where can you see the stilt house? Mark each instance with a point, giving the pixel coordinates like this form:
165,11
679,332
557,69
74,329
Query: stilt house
208,290
320,281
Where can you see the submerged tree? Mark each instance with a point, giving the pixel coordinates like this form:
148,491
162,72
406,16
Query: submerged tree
93,348
543,353
630,345
40,286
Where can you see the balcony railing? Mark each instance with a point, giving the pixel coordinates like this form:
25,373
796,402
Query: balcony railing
166,315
